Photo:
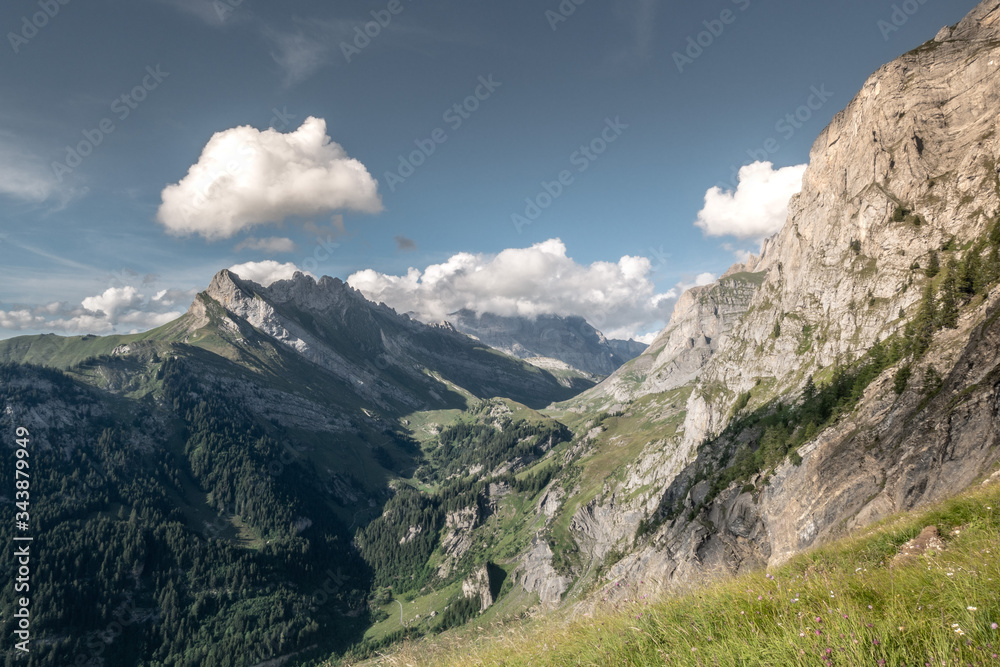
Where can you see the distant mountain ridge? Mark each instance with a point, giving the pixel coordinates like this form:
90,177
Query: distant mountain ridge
571,340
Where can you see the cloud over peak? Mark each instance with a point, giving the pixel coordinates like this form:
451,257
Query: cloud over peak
246,177
618,298
266,272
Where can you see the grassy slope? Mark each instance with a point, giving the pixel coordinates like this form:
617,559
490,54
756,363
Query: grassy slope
838,605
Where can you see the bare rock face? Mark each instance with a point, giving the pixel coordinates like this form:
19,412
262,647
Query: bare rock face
457,538
699,326
478,583
910,163
536,575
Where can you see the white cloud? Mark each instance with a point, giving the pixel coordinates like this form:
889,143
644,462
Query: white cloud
266,272
759,206
272,244
246,177
619,298
113,301
116,310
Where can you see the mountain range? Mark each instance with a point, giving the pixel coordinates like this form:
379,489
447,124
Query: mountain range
293,472
549,341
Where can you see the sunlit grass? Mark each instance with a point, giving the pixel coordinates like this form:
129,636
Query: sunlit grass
839,605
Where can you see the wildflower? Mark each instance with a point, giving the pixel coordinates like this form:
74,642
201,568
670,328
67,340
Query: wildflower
819,619
832,595
970,608
993,626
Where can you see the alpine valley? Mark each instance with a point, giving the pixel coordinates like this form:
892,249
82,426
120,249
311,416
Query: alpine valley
292,474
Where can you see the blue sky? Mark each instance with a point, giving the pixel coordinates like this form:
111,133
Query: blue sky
554,82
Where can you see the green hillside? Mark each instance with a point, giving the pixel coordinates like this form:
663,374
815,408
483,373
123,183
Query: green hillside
849,603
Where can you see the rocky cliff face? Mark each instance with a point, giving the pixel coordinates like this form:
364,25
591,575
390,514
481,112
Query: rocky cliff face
700,326
909,167
919,142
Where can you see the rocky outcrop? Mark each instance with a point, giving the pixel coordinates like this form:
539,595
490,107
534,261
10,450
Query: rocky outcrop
478,583
700,325
536,575
457,538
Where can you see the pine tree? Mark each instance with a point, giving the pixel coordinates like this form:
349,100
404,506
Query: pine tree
933,265
991,266
970,273
924,324
809,391
948,312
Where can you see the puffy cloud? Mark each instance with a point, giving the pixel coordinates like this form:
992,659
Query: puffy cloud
116,310
266,272
113,301
759,206
247,177
619,298
272,244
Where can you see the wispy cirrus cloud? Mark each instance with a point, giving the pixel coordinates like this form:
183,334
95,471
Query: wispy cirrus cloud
639,18
273,244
